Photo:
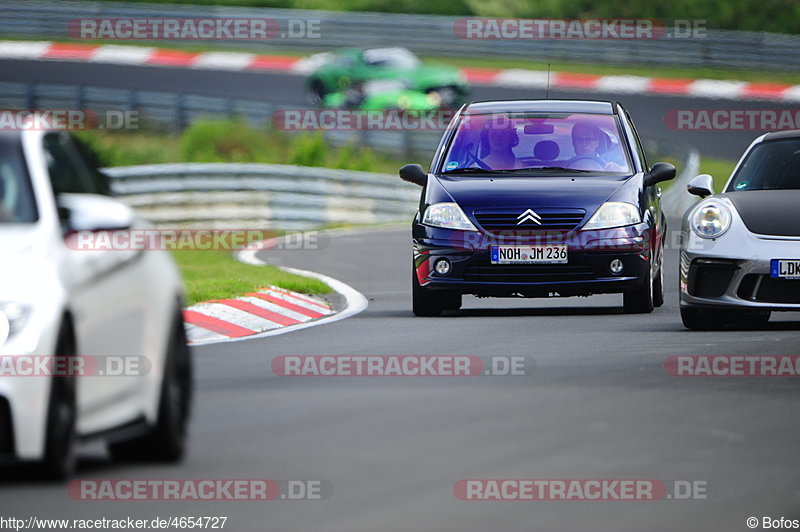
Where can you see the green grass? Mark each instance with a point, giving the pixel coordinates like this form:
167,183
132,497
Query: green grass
233,141
719,169
216,274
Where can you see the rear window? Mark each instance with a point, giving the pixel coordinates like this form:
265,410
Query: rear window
17,204
772,165
547,142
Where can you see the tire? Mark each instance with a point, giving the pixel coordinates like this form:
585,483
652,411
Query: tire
424,302
166,441
452,301
698,319
316,92
61,439
639,300
658,285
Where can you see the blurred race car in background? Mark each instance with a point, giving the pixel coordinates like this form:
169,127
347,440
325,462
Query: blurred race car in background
334,72
380,95
740,250
62,304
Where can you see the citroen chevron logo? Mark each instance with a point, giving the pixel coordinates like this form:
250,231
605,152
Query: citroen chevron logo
529,216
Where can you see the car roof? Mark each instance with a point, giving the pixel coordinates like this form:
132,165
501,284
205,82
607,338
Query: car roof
777,135
526,106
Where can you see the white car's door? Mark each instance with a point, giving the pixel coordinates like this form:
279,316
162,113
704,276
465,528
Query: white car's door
107,300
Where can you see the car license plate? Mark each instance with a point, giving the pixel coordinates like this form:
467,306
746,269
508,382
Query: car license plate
785,268
554,254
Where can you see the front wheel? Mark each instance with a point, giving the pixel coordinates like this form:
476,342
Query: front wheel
639,300
424,302
698,319
61,440
658,285
166,442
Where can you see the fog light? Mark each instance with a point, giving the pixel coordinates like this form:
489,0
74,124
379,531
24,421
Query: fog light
615,266
442,266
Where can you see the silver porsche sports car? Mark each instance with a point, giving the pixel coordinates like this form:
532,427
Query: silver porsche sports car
740,249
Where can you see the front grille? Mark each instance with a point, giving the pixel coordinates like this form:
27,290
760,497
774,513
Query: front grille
769,289
528,273
505,220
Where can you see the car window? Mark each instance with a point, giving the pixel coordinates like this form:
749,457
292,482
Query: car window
546,141
69,171
391,58
771,165
17,202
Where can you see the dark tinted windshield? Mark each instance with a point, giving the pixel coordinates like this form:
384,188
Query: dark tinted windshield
550,142
772,165
17,203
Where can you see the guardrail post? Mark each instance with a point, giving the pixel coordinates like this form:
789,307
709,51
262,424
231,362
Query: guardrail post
80,97
177,126
30,97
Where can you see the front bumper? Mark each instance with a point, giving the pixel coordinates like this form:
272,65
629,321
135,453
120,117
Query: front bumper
733,271
586,272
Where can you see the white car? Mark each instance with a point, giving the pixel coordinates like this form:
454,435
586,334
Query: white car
57,301
740,250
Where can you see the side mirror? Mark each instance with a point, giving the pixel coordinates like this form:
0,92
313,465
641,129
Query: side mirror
413,173
659,173
702,185
93,212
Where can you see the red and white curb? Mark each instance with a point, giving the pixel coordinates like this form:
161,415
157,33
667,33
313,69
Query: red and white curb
269,311
513,78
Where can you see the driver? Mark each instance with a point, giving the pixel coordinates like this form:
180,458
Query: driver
586,138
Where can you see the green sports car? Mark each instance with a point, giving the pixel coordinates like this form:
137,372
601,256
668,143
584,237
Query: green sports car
337,71
382,95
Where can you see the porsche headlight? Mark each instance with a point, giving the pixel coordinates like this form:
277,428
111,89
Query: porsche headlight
711,220
614,214
447,215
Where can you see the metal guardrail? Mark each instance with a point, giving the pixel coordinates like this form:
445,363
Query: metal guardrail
173,112
426,34
261,196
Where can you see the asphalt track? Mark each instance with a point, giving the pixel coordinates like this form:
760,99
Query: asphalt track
648,111
598,404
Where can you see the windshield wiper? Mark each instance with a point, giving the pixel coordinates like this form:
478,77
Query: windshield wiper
475,170
552,169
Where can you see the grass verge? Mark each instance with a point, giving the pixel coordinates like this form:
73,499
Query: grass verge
216,274
719,169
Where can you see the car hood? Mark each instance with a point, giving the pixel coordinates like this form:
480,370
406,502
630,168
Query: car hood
768,212
582,192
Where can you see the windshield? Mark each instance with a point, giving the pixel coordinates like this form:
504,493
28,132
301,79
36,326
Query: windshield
16,197
399,58
772,165
545,143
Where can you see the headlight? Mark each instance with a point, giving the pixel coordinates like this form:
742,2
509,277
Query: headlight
711,220
12,320
614,214
447,215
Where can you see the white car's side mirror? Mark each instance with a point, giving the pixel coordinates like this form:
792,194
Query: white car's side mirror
702,185
93,212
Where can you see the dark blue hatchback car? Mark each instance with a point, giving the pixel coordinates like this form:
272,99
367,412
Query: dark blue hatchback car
543,198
